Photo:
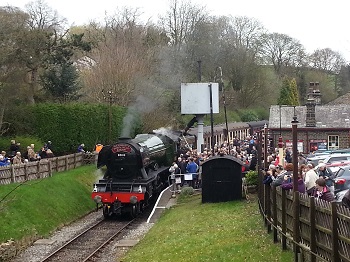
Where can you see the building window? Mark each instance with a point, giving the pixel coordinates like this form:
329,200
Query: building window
333,142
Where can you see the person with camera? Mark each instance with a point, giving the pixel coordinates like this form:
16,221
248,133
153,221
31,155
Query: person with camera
287,184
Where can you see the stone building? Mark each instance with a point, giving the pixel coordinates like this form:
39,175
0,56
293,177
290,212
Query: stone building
319,127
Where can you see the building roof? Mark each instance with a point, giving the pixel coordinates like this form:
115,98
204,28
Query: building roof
344,99
327,116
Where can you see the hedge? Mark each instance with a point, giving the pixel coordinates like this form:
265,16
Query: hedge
68,125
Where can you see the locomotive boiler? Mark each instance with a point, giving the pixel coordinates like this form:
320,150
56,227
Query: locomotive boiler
136,170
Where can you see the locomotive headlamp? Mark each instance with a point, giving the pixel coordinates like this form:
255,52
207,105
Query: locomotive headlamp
98,199
133,199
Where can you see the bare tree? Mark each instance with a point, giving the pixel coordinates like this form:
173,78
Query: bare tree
327,60
181,20
121,60
12,25
43,27
281,51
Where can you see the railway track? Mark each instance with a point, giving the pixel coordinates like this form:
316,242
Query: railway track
86,245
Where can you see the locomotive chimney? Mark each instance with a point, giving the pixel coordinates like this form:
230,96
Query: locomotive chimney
123,138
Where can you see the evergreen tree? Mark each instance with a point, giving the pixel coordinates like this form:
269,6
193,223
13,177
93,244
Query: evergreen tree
286,96
61,81
294,92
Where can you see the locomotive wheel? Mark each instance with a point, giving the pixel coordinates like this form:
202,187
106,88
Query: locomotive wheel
105,211
133,211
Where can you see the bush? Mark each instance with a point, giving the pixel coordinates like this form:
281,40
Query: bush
67,125
187,191
251,178
248,115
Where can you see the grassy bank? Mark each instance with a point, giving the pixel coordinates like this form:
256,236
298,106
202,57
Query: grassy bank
191,231
36,208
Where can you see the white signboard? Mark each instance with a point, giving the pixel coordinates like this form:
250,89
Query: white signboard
195,98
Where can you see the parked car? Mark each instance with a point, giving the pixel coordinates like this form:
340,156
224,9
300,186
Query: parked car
329,158
339,196
316,159
334,167
342,179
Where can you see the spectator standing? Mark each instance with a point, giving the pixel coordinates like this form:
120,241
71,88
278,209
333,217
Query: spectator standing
288,156
326,175
322,191
49,153
98,147
48,145
288,183
13,148
17,159
182,165
301,160
192,168
281,173
253,163
310,178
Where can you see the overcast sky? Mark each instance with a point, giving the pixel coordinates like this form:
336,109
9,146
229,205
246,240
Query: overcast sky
315,23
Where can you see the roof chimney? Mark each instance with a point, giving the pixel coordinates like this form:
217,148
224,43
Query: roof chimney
310,113
314,92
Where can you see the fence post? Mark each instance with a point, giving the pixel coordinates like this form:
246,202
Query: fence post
284,220
25,172
38,169
268,208
312,228
265,204
66,160
49,167
13,174
57,162
260,188
274,206
335,238
296,230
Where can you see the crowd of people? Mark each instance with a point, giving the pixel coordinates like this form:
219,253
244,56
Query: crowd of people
189,161
313,180
14,155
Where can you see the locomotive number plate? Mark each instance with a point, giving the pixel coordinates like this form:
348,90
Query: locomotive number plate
121,154
121,148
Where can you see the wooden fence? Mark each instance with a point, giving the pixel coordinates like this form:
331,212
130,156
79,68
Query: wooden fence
318,230
44,168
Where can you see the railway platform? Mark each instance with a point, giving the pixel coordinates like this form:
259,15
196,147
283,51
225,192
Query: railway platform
164,201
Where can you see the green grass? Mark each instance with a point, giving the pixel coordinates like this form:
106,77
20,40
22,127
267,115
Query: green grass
192,231
38,207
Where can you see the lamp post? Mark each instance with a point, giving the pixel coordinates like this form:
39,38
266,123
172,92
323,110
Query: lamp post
280,143
109,97
296,233
265,146
295,151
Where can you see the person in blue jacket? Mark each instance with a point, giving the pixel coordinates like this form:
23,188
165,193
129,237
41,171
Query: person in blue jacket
192,168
